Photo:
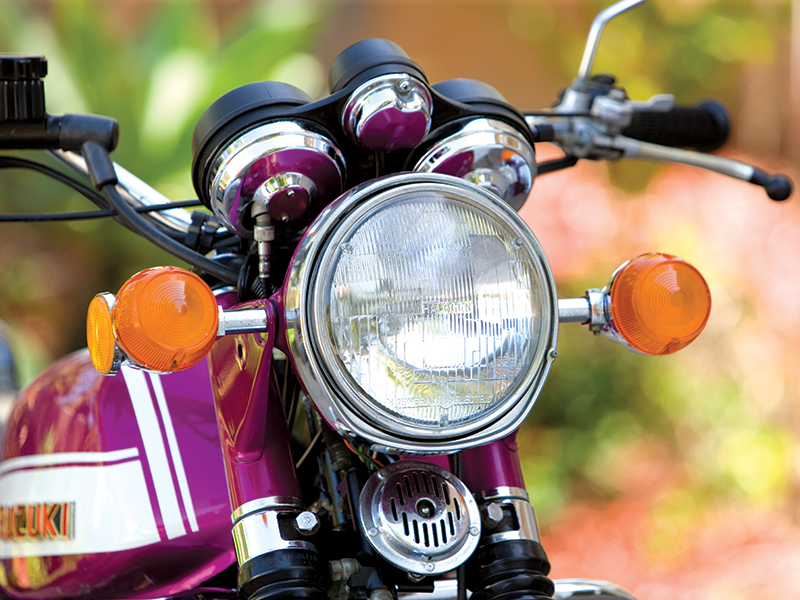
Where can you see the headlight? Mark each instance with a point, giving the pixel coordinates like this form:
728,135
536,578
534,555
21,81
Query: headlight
421,314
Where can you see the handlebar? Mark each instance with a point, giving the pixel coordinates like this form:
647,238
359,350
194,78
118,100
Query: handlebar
704,127
135,191
591,136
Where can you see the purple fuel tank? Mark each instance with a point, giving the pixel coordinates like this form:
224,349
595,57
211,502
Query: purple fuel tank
112,487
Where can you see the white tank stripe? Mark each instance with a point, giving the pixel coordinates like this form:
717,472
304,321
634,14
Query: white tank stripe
175,451
62,458
156,452
112,507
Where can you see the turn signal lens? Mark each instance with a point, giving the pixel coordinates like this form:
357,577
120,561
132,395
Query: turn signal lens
659,303
165,319
100,333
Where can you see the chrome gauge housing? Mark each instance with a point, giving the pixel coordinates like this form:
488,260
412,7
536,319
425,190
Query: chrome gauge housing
488,153
283,165
421,314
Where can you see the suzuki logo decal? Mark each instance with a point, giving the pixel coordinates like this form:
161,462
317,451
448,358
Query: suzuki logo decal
35,522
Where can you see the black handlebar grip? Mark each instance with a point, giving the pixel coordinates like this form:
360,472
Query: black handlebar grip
704,127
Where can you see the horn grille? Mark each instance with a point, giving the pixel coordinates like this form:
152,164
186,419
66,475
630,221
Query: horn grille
420,517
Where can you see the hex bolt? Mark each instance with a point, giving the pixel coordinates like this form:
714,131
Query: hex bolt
306,523
491,515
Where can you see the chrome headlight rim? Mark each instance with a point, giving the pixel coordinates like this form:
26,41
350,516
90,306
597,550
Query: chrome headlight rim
344,408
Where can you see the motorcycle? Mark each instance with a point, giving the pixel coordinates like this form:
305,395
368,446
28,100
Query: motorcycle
343,372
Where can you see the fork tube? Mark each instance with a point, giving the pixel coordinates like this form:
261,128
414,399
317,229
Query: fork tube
510,561
253,432
493,465
272,534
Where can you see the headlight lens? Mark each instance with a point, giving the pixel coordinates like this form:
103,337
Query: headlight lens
421,314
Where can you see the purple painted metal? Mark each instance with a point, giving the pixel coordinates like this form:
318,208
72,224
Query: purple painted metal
391,129
492,466
255,439
70,408
320,168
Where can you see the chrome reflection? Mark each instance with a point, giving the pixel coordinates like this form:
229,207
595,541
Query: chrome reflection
488,153
426,528
388,113
283,165
566,589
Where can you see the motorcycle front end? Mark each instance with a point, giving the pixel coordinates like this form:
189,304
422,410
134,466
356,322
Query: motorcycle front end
344,371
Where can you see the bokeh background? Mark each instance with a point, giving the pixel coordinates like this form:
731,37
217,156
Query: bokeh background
676,477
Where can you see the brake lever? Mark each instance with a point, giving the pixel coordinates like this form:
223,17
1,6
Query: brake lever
778,187
580,137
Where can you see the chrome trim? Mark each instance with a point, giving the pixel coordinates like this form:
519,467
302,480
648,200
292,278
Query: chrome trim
573,101
528,527
397,527
574,310
269,503
502,492
636,149
487,141
259,533
228,289
610,333
248,320
119,357
566,589
596,590
343,408
506,536
398,91
517,498
599,309
584,71
602,323
301,189
232,165
135,191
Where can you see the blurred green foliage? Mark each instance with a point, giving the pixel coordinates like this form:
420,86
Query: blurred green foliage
155,68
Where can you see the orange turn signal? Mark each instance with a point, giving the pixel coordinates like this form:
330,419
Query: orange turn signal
100,334
165,319
659,303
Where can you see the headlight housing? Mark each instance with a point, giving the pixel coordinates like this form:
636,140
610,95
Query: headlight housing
421,314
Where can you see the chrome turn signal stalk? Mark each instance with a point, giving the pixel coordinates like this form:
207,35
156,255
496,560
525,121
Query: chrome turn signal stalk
246,320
